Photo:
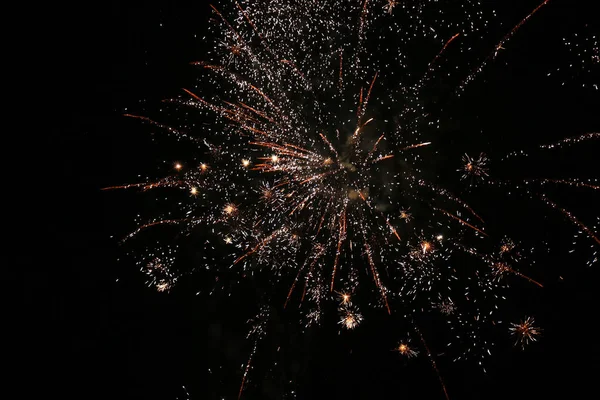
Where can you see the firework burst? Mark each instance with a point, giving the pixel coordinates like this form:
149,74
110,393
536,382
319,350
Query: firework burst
524,332
350,318
317,169
475,168
406,350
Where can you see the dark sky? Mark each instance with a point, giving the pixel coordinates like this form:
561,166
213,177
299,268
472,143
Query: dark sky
94,330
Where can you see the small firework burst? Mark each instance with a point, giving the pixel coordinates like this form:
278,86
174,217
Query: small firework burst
230,209
524,332
163,286
266,192
499,269
294,239
389,6
405,349
426,246
474,168
350,318
422,250
506,246
345,298
158,271
446,306
405,215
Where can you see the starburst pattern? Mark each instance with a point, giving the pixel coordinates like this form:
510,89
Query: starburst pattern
406,350
317,170
525,332
350,317
475,168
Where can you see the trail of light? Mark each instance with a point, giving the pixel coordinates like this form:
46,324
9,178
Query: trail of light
283,150
382,215
231,28
493,55
248,367
571,217
257,112
319,176
261,244
381,158
260,113
241,82
340,81
323,216
433,364
257,90
330,145
320,252
443,49
205,103
361,30
295,68
393,229
569,182
446,194
375,273
341,238
169,129
374,147
461,221
251,24
166,182
524,277
414,146
363,107
358,108
302,203
238,115
294,285
303,291
572,140
161,222
432,63
491,262
556,145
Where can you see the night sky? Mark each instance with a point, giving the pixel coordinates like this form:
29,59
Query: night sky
95,330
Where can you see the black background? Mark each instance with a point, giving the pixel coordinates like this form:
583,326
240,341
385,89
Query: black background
95,331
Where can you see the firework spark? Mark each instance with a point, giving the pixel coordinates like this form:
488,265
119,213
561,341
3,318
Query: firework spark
406,350
350,317
475,168
524,332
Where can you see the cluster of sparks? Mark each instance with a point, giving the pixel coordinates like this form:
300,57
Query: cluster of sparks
312,170
525,332
475,168
406,350
584,55
158,268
